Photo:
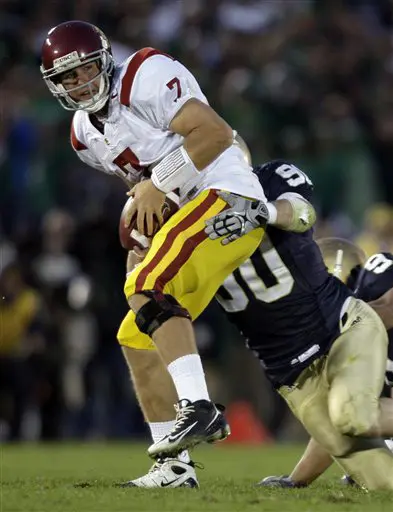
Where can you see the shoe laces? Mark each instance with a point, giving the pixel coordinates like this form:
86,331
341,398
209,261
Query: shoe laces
197,465
182,414
160,461
156,466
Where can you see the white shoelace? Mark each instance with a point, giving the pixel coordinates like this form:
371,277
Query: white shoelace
182,414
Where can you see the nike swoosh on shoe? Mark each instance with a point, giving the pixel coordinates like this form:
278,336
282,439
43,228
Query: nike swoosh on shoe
165,484
182,434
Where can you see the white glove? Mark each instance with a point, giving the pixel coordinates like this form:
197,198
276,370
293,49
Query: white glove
243,216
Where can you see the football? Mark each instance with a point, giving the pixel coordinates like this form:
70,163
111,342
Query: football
130,236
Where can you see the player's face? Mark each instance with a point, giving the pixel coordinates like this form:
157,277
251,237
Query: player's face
76,79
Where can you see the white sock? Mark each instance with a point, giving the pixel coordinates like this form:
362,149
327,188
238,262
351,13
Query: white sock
189,378
184,456
160,429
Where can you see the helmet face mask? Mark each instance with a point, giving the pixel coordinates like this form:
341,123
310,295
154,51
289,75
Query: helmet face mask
69,46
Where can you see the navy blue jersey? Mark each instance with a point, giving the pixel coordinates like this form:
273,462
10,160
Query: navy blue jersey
370,283
282,299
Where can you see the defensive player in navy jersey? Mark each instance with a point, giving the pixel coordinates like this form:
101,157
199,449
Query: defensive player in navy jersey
282,299
301,322
372,281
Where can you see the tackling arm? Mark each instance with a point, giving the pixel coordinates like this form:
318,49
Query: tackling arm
290,212
294,213
314,462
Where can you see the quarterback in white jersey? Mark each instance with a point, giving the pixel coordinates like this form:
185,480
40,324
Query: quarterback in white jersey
148,116
148,90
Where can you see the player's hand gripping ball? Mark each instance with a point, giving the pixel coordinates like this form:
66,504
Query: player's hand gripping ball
130,237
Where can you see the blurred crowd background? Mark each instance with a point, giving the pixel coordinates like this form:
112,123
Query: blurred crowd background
306,80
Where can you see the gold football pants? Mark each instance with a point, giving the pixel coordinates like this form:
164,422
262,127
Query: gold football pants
337,397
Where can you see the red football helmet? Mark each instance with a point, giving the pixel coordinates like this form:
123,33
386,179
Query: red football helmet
72,44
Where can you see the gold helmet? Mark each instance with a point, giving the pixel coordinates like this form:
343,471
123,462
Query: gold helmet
341,256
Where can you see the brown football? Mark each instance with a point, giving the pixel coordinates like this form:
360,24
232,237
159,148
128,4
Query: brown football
130,237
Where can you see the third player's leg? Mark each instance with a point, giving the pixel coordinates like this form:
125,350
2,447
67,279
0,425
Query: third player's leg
355,372
367,460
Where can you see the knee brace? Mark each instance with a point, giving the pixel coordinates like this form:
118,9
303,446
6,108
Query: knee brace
157,311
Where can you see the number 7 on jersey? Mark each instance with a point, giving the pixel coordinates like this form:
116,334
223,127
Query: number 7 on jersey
175,82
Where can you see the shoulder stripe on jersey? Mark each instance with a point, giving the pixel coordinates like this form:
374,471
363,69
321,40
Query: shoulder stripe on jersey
133,66
75,143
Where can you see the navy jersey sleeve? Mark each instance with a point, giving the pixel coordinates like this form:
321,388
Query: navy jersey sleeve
279,177
375,279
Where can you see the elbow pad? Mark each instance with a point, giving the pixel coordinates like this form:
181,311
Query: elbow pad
304,215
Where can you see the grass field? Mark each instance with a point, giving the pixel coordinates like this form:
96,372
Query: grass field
81,478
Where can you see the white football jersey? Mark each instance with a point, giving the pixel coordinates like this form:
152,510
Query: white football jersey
148,89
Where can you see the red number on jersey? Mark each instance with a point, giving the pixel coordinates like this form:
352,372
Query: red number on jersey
175,82
127,161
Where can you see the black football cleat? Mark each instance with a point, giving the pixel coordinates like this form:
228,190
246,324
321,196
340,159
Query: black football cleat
196,422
